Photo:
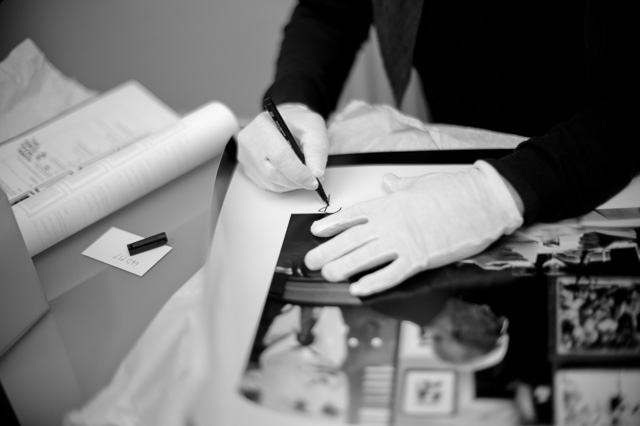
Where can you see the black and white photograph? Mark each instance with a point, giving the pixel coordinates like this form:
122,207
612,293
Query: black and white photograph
598,317
594,397
429,392
320,352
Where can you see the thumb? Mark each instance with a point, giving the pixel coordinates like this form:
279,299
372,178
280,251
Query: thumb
315,147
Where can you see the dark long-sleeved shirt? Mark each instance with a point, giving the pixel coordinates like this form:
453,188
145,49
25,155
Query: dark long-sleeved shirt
560,73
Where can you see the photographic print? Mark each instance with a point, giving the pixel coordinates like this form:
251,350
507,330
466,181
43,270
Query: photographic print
429,392
405,355
319,352
598,239
566,248
594,397
517,253
598,317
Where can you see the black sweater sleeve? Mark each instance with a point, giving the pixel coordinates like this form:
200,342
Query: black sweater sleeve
575,167
318,49
582,162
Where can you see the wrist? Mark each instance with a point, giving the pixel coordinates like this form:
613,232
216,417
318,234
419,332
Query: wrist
517,199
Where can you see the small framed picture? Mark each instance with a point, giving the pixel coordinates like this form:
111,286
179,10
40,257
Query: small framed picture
415,342
585,397
597,318
429,392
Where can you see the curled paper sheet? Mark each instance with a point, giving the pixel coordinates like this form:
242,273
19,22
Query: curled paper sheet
109,184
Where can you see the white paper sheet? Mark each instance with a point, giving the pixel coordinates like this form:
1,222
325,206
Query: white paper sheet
111,248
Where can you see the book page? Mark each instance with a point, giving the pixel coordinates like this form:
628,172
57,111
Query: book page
102,187
68,143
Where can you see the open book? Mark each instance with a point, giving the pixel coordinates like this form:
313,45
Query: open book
91,161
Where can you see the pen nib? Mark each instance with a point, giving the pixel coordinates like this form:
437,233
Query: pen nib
324,209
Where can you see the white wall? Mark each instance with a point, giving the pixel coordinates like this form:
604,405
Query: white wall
188,52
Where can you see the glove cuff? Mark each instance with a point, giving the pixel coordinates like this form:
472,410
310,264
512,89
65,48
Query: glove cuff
501,198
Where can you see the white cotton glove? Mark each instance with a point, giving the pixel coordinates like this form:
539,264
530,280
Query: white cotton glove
425,222
267,157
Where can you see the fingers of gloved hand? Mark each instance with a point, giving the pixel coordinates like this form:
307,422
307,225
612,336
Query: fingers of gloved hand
315,147
310,130
283,161
268,158
255,142
338,222
385,278
365,257
270,179
343,243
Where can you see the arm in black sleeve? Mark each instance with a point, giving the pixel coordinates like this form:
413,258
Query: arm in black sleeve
318,50
576,166
581,163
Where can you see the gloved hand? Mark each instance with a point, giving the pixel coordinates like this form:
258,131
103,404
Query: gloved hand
267,157
423,223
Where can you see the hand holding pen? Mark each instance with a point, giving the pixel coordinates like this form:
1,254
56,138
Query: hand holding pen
270,107
269,160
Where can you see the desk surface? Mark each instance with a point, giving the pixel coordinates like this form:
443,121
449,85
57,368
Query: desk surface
97,312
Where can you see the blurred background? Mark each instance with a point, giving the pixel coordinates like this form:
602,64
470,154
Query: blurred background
187,52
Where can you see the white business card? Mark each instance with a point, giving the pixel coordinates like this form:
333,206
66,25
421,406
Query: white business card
111,248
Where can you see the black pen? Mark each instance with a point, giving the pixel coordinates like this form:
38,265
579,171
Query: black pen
270,107
147,244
